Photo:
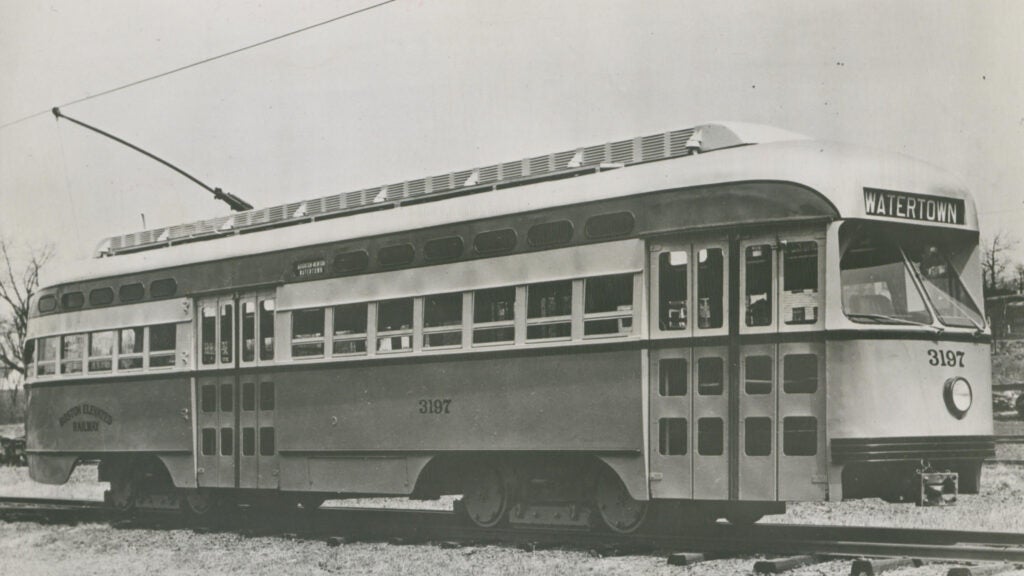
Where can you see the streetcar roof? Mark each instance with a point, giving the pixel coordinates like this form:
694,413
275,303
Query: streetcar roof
858,182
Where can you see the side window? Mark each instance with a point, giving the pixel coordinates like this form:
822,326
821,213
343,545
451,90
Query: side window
101,351
673,280
608,305
394,325
129,348
46,364
248,341
208,327
758,278
494,315
227,333
673,376
267,329
307,333
549,310
163,340
800,283
710,287
442,321
72,350
350,329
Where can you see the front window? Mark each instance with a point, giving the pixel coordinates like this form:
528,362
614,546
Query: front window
881,269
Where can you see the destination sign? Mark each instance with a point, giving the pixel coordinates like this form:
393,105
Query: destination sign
310,268
914,206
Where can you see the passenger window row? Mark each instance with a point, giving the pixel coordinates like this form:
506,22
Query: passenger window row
104,296
438,321
104,351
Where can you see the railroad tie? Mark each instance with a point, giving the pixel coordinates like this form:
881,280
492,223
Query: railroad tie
685,558
780,565
872,566
980,570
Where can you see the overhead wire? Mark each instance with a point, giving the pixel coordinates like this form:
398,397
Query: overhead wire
201,62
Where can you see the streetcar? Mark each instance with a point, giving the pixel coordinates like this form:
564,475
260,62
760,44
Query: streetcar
705,323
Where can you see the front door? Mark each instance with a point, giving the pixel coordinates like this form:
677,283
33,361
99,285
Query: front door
731,319
235,398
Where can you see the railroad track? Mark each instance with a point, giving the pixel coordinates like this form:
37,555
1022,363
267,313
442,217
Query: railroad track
799,544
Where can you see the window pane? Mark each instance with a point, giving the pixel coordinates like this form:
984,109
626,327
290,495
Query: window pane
757,436
72,300
674,377
248,396
349,346
442,310
673,268
248,441
710,286
800,290
308,324
267,447
947,293
208,398
494,305
227,441
396,255
131,292
800,436
349,319
672,436
549,299
131,341
101,344
163,337
493,335
608,294
550,233
608,225
227,333
227,398
710,376
349,262
248,331
394,315
163,288
72,352
209,442
495,241
48,349
758,374
759,285
710,437
267,329
209,330
560,330
440,249
101,296
130,363
266,395
442,339
877,286
800,373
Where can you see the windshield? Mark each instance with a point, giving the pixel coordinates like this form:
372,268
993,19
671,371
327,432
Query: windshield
878,269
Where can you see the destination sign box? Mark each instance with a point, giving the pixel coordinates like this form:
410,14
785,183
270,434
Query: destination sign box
909,206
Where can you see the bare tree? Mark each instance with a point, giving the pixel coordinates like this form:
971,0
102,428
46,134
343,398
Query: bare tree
995,260
1018,270
19,280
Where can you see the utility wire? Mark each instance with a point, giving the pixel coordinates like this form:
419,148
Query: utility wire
200,62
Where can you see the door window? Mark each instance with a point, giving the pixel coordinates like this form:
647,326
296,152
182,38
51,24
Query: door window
758,279
710,287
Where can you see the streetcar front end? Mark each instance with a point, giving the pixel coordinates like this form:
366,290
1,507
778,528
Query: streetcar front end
909,361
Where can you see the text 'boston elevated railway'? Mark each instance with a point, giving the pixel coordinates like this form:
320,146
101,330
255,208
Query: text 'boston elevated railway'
708,321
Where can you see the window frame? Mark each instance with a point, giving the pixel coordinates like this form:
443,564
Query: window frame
321,339
494,324
428,331
620,314
363,336
389,335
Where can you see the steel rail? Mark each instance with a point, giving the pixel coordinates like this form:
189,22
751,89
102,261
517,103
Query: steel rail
411,526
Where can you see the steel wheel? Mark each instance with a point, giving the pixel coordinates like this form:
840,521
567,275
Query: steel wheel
619,511
198,503
485,498
123,490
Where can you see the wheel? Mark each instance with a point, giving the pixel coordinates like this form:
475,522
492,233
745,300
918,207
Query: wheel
485,496
123,490
619,511
198,503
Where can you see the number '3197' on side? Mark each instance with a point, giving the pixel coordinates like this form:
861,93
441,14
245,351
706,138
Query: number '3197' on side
946,358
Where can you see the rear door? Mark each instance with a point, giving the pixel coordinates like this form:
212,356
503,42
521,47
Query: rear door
257,454
215,392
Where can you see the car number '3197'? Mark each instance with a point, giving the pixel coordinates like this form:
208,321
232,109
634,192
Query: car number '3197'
435,406
946,358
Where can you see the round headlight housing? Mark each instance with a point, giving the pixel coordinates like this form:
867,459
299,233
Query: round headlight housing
958,395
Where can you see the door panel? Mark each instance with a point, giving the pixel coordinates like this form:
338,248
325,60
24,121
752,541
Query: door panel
233,333
757,418
710,375
801,421
671,415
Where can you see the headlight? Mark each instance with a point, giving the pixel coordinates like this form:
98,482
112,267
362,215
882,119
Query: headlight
959,396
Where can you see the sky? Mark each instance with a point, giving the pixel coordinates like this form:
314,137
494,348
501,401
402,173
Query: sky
415,88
